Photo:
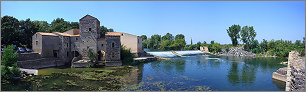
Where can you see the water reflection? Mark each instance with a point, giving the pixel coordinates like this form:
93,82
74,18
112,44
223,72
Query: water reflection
250,66
134,76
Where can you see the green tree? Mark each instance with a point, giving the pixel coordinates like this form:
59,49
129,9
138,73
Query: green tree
233,32
9,30
254,46
103,31
43,26
165,44
9,59
59,25
27,30
155,41
204,43
144,41
144,37
247,34
168,36
264,46
198,45
179,36
191,41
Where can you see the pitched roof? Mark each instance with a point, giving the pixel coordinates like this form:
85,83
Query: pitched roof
65,34
112,34
48,34
88,16
73,32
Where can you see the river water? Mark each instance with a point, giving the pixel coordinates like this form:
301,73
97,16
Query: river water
193,73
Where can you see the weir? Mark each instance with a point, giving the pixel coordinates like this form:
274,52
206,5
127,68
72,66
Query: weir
175,53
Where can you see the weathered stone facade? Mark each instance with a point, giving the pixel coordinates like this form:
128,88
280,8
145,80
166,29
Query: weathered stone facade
295,72
76,43
112,50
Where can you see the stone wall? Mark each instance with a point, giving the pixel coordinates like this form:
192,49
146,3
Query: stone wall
28,56
295,72
40,63
89,33
112,51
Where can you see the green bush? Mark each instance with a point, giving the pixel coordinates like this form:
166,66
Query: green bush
9,68
92,58
126,56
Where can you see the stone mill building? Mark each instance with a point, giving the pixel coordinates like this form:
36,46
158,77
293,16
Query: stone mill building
75,43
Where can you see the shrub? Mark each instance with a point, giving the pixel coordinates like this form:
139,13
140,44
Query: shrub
126,56
92,58
9,68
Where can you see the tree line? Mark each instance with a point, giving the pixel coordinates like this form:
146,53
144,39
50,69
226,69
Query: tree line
20,32
177,42
247,35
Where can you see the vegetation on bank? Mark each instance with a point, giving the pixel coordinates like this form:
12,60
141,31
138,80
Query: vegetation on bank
126,56
9,68
246,35
20,32
279,48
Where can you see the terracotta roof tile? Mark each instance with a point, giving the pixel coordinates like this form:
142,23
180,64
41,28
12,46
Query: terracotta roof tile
65,34
50,34
112,34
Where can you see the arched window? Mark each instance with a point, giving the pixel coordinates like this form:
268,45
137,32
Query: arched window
113,44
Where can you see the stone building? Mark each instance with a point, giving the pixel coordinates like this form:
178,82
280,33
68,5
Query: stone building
76,43
132,42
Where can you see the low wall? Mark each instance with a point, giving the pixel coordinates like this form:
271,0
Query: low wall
40,63
28,56
295,72
280,74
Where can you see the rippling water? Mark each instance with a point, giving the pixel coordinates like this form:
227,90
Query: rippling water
191,73
218,73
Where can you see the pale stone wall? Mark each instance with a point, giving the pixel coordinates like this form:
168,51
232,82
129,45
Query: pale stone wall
37,43
129,41
295,72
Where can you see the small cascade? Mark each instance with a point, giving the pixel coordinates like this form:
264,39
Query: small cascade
162,53
177,53
189,52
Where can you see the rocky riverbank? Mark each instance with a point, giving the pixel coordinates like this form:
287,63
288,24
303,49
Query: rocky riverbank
239,51
295,72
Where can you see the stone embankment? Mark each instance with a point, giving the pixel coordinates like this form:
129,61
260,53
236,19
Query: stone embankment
295,72
280,74
239,51
236,51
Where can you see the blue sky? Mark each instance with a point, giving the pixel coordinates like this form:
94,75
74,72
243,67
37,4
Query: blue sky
199,20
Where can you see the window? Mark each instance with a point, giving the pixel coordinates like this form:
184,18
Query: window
67,54
102,45
113,44
36,42
76,38
67,44
89,29
36,35
121,34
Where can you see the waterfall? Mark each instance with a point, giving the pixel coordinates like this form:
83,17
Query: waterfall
189,52
170,54
162,53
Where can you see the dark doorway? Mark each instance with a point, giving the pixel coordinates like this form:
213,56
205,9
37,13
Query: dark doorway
55,53
99,55
75,53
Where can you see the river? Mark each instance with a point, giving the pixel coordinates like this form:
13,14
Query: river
192,73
